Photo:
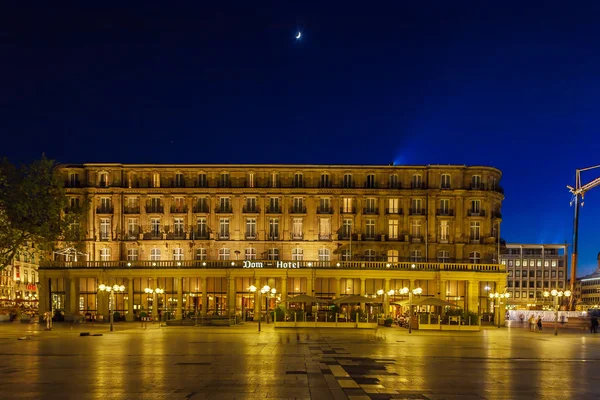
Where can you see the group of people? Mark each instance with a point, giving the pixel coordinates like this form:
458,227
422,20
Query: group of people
535,325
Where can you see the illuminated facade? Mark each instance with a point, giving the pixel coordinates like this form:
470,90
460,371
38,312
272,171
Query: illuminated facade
19,280
588,290
349,230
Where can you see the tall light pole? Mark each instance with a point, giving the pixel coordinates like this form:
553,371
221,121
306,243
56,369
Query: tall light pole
380,293
557,295
416,291
499,297
252,289
111,289
154,293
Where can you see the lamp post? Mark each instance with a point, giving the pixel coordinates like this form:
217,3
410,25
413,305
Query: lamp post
557,295
415,291
380,292
111,289
390,293
266,290
499,296
252,289
154,293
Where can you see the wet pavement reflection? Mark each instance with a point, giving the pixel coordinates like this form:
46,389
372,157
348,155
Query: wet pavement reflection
240,363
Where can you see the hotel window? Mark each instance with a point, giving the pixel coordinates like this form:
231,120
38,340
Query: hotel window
105,204
202,181
224,228
297,254
371,206
444,207
475,258
224,254
273,254
224,180
444,231
103,179
445,181
251,205
546,263
371,183
298,205
133,204
155,227
475,231
201,254
524,263
298,180
224,204
415,256
132,254
324,255
346,255
415,229
105,254
393,206
179,204
274,205
517,263
346,228
250,228
347,181
155,205
476,182
74,202
104,228
324,229
394,182
201,228
539,263
74,179
416,181
132,228
274,180
273,228
347,205
416,206
178,254
297,228
370,229
475,207
250,253
443,256
155,180
155,254
370,255
250,180
324,205
179,180
393,229
325,180
561,274
392,256
178,227
554,263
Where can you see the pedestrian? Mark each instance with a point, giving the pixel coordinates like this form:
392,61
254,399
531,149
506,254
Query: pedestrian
531,321
539,323
594,327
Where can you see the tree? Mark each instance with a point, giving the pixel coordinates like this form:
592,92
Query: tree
34,209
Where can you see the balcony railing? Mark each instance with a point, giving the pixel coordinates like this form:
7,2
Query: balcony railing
371,237
104,210
179,209
347,210
445,212
370,211
417,211
325,210
224,210
297,236
132,234
201,208
131,210
152,235
201,234
416,238
273,210
392,211
155,209
250,236
251,209
476,213
224,236
297,210
271,264
418,185
324,236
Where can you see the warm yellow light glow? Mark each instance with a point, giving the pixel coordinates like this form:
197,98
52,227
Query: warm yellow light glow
567,293
546,293
252,288
391,292
491,295
554,292
380,292
101,287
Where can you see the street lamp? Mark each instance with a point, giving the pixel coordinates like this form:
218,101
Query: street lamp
252,289
499,296
154,293
556,294
415,291
111,289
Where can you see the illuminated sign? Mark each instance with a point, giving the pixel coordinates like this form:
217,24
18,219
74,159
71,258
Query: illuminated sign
278,264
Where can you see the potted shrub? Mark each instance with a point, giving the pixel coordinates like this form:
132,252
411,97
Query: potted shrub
388,322
116,316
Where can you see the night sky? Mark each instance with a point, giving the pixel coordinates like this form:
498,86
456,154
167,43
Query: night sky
504,84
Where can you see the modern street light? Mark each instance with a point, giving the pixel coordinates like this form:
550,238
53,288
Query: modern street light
557,295
154,293
111,289
499,296
415,291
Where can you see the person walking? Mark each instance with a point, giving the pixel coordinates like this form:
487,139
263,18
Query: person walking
531,321
539,323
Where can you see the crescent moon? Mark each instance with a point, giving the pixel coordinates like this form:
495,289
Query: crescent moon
298,35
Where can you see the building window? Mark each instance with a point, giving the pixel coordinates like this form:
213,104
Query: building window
445,181
273,228
475,231
416,256
324,229
476,182
105,254
273,254
298,205
132,228
392,255
347,181
393,229
444,207
250,180
178,228
371,183
201,254
297,254
346,228
416,207
155,227
346,255
202,181
415,229
274,205
178,254
324,255
224,204
393,206
416,181
371,206
475,258
103,179
297,229
325,205
298,180
370,229
370,255
250,253
74,179
201,228
475,207
132,254
394,182
444,231
224,180
155,254
250,228
224,254
179,180
274,180
104,228
251,204
179,205
325,180
224,228
155,180
347,205
443,256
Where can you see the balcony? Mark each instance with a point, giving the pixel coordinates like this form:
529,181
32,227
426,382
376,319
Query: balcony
199,234
324,236
477,186
155,209
417,211
153,235
371,237
444,239
347,236
178,234
104,210
476,213
250,236
224,236
474,240
131,210
395,238
370,211
179,209
297,210
324,210
201,208
273,210
224,210
396,185
251,209
416,238
297,236
132,234
393,211
445,186
347,210
418,185
444,212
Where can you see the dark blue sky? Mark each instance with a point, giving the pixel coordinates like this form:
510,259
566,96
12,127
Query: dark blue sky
514,85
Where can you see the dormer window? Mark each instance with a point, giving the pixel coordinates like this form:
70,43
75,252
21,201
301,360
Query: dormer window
74,179
476,182
202,181
224,180
298,180
156,180
370,183
445,181
274,180
417,181
179,180
103,179
347,182
394,181
325,180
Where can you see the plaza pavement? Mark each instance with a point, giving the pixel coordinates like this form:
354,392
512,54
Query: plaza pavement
240,363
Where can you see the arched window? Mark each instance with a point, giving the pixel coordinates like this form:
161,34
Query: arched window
298,180
103,179
273,254
201,254
324,255
132,254
250,253
392,255
417,181
443,256
178,254
371,256
297,254
415,255
475,257
224,254
105,254
347,181
325,180
394,182
179,180
156,180
155,254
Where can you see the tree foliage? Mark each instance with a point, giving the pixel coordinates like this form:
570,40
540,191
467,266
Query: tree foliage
34,208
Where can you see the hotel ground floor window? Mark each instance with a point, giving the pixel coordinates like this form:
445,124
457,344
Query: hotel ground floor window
88,298
349,286
192,295
244,299
325,288
216,290
143,302
296,286
455,293
167,301
58,291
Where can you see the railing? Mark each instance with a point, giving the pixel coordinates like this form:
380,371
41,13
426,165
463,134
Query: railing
201,208
104,210
131,210
297,236
324,236
417,211
390,211
324,210
274,210
476,213
177,234
155,209
298,210
251,209
370,211
351,210
195,234
179,209
270,264
224,210
444,212
132,234
417,185
250,236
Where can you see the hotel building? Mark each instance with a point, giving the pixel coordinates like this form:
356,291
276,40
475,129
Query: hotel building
587,290
205,233
18,281
533,269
